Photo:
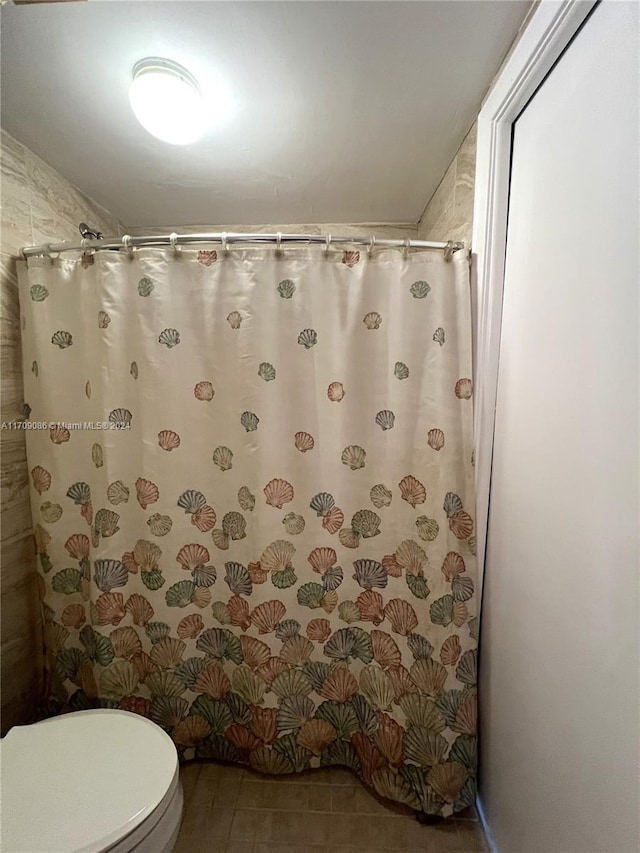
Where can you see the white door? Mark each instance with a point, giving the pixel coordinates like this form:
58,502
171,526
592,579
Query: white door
560,635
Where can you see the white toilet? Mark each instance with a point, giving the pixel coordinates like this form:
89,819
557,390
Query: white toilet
90,782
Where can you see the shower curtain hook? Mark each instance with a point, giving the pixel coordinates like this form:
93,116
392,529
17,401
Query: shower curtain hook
327,243
278,241
372,243
126,242
87,254
173,239
225,248
407,246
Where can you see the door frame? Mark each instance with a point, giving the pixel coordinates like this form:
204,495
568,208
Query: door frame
548,33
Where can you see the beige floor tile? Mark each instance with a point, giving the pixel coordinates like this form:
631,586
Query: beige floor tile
293,796
229,809
437,838
188,777
219,783
206,822
343,799
366,832
319,798
472,838
252,825
188,844
302,828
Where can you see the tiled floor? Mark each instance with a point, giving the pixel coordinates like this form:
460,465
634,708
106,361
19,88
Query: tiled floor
233,810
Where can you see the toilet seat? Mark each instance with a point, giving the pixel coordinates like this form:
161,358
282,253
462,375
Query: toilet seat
85,781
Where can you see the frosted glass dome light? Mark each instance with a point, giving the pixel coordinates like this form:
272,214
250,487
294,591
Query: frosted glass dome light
167,101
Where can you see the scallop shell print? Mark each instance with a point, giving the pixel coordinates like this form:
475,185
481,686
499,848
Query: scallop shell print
223,458
350,259
463,389
145,286
419,289
439,336
303,441
322,503
234,319
191,501
146,492
401,371
286,288
372,320
246,499
278,493
207,257
385,419
266,371
103,319
169,337
203,391
159,525
353,456
249,421
38,293
435,439
120,418
293,523
380,496
62,339
412,490
168,440
41,479
59,435
117,493
308,338
336,392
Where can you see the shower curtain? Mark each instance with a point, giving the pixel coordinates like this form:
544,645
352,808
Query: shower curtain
252,491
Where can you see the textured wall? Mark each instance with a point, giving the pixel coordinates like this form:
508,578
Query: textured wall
449,213
38,206
366,229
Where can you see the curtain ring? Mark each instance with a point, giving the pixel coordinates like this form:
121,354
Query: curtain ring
278,241
225,247
407,246
372,243
327,243
83,243
173,240
126,242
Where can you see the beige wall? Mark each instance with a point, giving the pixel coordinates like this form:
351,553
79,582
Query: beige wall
376,229
449,213
38,206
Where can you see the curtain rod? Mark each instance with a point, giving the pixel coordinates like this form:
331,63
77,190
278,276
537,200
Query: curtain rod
126,242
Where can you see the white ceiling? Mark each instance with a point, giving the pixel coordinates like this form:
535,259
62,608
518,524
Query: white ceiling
346,111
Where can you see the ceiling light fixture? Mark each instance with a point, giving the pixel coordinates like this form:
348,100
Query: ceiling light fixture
167,101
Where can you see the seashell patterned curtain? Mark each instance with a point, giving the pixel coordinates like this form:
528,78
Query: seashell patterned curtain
252,491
